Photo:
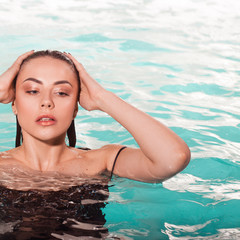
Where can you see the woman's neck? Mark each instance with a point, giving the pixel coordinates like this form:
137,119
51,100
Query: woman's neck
42,155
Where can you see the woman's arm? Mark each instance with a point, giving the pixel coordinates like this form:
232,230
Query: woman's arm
162,153
6,79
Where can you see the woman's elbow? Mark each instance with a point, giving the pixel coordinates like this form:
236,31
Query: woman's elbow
182,159
172,166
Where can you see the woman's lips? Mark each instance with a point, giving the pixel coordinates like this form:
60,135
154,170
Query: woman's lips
46,120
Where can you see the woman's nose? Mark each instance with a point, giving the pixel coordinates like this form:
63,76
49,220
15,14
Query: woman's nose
47,103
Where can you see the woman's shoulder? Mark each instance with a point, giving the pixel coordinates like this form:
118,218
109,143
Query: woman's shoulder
7,157
107,154
104,151
5,154
102,157
89,155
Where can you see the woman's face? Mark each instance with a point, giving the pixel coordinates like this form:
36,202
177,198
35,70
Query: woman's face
46,98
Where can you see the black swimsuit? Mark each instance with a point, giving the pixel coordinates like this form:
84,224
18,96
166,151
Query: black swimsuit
35,214
116,160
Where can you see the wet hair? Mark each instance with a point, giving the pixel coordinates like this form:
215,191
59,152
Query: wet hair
71,133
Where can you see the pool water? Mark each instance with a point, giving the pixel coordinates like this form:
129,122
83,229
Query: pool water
176,60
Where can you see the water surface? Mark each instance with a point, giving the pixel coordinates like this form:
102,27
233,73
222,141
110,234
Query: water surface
176,60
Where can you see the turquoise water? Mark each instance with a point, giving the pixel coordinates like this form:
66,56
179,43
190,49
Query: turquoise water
176,60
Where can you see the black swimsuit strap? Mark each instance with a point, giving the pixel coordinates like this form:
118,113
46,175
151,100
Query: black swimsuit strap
116,160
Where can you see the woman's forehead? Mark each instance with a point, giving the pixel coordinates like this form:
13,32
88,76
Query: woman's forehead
47,67
46,61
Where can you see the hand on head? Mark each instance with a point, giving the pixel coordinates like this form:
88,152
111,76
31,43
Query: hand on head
7,79
91,90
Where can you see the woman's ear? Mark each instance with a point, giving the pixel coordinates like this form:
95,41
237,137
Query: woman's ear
75,111
14,109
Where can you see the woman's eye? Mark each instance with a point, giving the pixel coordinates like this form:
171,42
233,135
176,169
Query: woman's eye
62,94
32,92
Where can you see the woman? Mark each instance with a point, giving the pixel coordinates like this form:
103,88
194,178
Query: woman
45,88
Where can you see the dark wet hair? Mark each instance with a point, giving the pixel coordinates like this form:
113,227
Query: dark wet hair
71,133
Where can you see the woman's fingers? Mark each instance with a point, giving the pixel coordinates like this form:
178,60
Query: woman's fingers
90,88
20,59
6,79
82,71
11,73
78,65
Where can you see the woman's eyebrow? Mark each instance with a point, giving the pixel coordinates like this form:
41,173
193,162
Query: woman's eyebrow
33,80
40,82
63,82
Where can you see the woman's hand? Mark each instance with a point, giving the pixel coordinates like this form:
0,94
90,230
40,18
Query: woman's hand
6,79
91,90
